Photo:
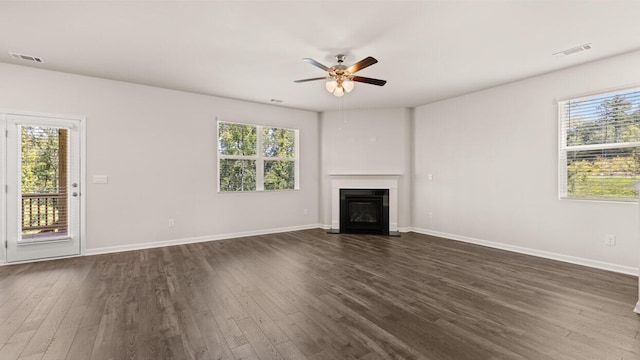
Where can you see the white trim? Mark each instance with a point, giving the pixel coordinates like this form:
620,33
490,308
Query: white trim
156,244
41,114
83,184
363,181
600,146
3,183
533,252
562,156
637,309
404,229
4,113
259,157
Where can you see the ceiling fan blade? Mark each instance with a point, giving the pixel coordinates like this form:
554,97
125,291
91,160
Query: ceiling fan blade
312,79
369,80
362,64
315,63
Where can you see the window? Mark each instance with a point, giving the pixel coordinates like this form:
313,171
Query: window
600,146
256,158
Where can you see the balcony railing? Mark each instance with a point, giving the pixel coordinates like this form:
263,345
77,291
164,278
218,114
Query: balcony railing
44,213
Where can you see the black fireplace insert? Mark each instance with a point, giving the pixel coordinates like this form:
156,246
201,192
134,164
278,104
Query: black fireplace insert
364,211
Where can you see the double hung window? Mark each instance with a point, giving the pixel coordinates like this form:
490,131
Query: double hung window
257,158
599,155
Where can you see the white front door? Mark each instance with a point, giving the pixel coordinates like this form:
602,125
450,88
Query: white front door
42,187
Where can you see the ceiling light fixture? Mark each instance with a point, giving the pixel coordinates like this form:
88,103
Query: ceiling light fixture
339,87
341,79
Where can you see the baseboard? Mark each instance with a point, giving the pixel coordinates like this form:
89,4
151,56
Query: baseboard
192,240
637,309
539,253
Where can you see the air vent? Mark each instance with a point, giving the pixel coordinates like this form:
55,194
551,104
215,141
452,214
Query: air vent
26,57
574,50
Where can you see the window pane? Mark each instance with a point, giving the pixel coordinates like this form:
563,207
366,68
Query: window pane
44,181
603,119
236,139
237,175
603,173
279,175
278,143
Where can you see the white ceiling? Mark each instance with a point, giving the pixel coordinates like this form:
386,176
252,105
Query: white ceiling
252,50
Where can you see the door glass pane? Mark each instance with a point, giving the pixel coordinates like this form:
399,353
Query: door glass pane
44,178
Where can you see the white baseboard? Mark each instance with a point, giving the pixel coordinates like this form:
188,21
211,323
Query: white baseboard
637,309
157,244
539,253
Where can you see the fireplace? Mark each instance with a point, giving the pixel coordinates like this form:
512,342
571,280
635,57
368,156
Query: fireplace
364,211
365,184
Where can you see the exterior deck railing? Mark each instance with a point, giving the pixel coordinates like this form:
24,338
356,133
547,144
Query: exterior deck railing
44,213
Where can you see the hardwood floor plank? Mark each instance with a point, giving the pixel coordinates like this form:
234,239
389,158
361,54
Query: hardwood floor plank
12,350
244,352
259,342
311,295
289,351
83,342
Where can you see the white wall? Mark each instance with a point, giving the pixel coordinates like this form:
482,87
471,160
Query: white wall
376,141
158,148
494,159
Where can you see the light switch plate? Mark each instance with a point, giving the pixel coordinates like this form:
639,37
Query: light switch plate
100,179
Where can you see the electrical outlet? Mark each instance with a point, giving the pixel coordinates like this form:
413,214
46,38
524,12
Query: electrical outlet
305,211
430,215
610,240
172,223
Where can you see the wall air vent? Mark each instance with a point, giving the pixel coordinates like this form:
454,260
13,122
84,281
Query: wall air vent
26,57
573,50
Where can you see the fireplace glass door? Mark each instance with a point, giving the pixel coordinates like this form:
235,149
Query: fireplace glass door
364,211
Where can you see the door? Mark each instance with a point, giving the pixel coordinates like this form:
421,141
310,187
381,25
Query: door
43,187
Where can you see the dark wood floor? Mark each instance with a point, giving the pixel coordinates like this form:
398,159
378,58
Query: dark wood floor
309,295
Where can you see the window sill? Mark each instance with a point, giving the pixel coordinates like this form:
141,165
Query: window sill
612,201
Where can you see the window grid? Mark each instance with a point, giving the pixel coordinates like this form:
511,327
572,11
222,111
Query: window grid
260,159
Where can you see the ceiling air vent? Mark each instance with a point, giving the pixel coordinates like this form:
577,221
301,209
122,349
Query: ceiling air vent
26,57
574,50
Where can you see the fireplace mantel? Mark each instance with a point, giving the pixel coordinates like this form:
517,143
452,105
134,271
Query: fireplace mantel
364,181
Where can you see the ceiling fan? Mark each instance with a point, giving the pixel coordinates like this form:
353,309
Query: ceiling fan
341,78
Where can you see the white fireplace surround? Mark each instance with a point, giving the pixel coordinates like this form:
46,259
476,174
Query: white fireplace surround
362,181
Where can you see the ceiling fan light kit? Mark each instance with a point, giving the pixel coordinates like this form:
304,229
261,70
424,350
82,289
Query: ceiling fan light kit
341,79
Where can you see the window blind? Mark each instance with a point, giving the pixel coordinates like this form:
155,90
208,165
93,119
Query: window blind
600,146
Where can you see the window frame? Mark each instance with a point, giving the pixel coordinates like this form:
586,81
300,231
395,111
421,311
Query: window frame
564,149
259,158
